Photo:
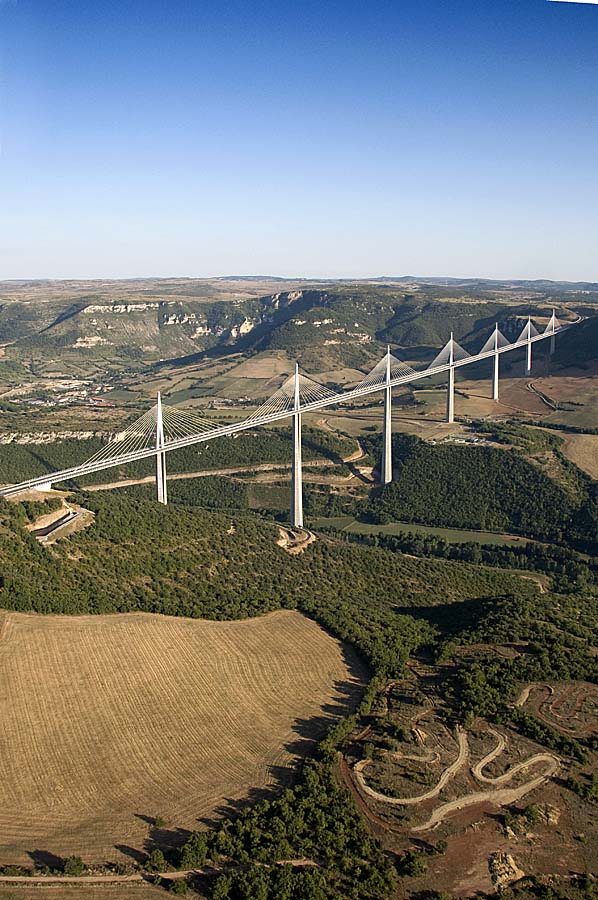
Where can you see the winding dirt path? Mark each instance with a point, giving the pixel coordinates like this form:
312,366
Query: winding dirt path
478,769
501,797
446,776
524,695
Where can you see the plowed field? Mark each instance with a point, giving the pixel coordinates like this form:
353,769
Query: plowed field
109,721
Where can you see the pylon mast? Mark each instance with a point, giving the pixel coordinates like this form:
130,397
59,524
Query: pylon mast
297,473
450,397
161,490
387,427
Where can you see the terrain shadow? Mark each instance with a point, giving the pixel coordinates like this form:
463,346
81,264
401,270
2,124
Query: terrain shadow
454,618
133,853
45,859
163,836
308,732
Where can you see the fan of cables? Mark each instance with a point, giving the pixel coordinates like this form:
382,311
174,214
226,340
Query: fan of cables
553,325
283,400
377,376
141,435
444,356
496,339
529,331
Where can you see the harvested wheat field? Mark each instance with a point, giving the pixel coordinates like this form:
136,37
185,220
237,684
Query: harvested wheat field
582,449
109,721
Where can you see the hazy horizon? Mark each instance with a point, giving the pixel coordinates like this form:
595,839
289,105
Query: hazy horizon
307,278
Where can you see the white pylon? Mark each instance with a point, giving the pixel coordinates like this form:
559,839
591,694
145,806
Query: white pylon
450,397
161,491
496,365
387,427
528,355
553,336
296,473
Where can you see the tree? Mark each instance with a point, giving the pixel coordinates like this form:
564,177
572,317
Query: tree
156,861
73,865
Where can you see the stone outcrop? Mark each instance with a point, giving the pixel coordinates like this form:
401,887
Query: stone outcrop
46,437
503,869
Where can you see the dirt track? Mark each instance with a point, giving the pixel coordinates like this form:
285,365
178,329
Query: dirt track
500,797
446,776
504,797
358,454
137,877
179,476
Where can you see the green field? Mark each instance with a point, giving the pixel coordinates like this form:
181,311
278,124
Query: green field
452,535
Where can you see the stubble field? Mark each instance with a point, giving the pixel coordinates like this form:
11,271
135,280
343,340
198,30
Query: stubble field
107,722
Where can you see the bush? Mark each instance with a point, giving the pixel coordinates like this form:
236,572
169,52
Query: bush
156,861
73,865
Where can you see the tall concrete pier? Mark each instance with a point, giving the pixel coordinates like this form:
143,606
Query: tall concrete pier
551,328
496,365
528,354
297,474
450,397
161,490
387,427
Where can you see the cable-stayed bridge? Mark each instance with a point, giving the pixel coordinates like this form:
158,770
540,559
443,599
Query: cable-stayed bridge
164,428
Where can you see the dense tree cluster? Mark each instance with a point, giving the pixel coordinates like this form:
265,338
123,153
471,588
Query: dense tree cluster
311,823
210,491
19,462
482,488
570,570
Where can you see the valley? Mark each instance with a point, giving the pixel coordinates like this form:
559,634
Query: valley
396,699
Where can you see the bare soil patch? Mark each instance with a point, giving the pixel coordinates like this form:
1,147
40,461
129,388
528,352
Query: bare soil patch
571,707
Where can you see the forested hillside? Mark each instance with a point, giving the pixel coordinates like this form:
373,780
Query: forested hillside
579,345
19,462
96,328
180,561
482,488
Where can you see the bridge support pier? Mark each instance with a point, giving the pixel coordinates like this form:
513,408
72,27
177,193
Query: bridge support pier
386,468
46,486
161,489
297,472
450,397
496,365
528,349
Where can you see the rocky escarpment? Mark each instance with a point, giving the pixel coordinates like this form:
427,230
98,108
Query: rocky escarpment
48,437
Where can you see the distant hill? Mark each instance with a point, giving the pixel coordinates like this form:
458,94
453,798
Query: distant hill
86,328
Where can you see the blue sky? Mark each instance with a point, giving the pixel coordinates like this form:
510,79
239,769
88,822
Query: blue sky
313,139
